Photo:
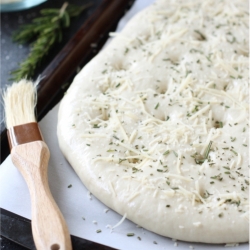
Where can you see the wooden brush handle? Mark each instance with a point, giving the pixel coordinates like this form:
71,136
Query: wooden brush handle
49,229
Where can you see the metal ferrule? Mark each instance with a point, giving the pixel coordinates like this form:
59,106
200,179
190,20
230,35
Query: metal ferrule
22,134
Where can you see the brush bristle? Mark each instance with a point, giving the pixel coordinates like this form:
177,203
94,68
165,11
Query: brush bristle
20,101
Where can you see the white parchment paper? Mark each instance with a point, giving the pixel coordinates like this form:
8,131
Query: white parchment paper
83,212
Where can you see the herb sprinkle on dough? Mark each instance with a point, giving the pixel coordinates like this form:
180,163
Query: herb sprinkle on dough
166,115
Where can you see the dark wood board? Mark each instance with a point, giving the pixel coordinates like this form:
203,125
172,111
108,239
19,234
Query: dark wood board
18,230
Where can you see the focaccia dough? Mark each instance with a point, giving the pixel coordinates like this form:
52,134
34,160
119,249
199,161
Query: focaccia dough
156,125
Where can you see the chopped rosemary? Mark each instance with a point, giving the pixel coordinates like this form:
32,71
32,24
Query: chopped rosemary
234,152
116,137
157,105
217,177
196,108
69,186
206,195
218,124
134,169
199,159
98,231
237,203
196,50
175,153
167,152
130,234
202,37
208,58
233,139
121,160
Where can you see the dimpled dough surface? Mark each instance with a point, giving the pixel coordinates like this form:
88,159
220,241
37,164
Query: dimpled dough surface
156,125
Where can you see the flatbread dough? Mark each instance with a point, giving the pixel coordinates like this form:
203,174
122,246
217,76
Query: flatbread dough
156,125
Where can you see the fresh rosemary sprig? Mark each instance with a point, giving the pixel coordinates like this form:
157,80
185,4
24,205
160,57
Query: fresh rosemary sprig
45,32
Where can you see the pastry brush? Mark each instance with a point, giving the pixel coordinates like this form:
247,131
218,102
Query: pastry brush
30,155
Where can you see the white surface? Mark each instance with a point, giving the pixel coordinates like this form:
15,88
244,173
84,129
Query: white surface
75,202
